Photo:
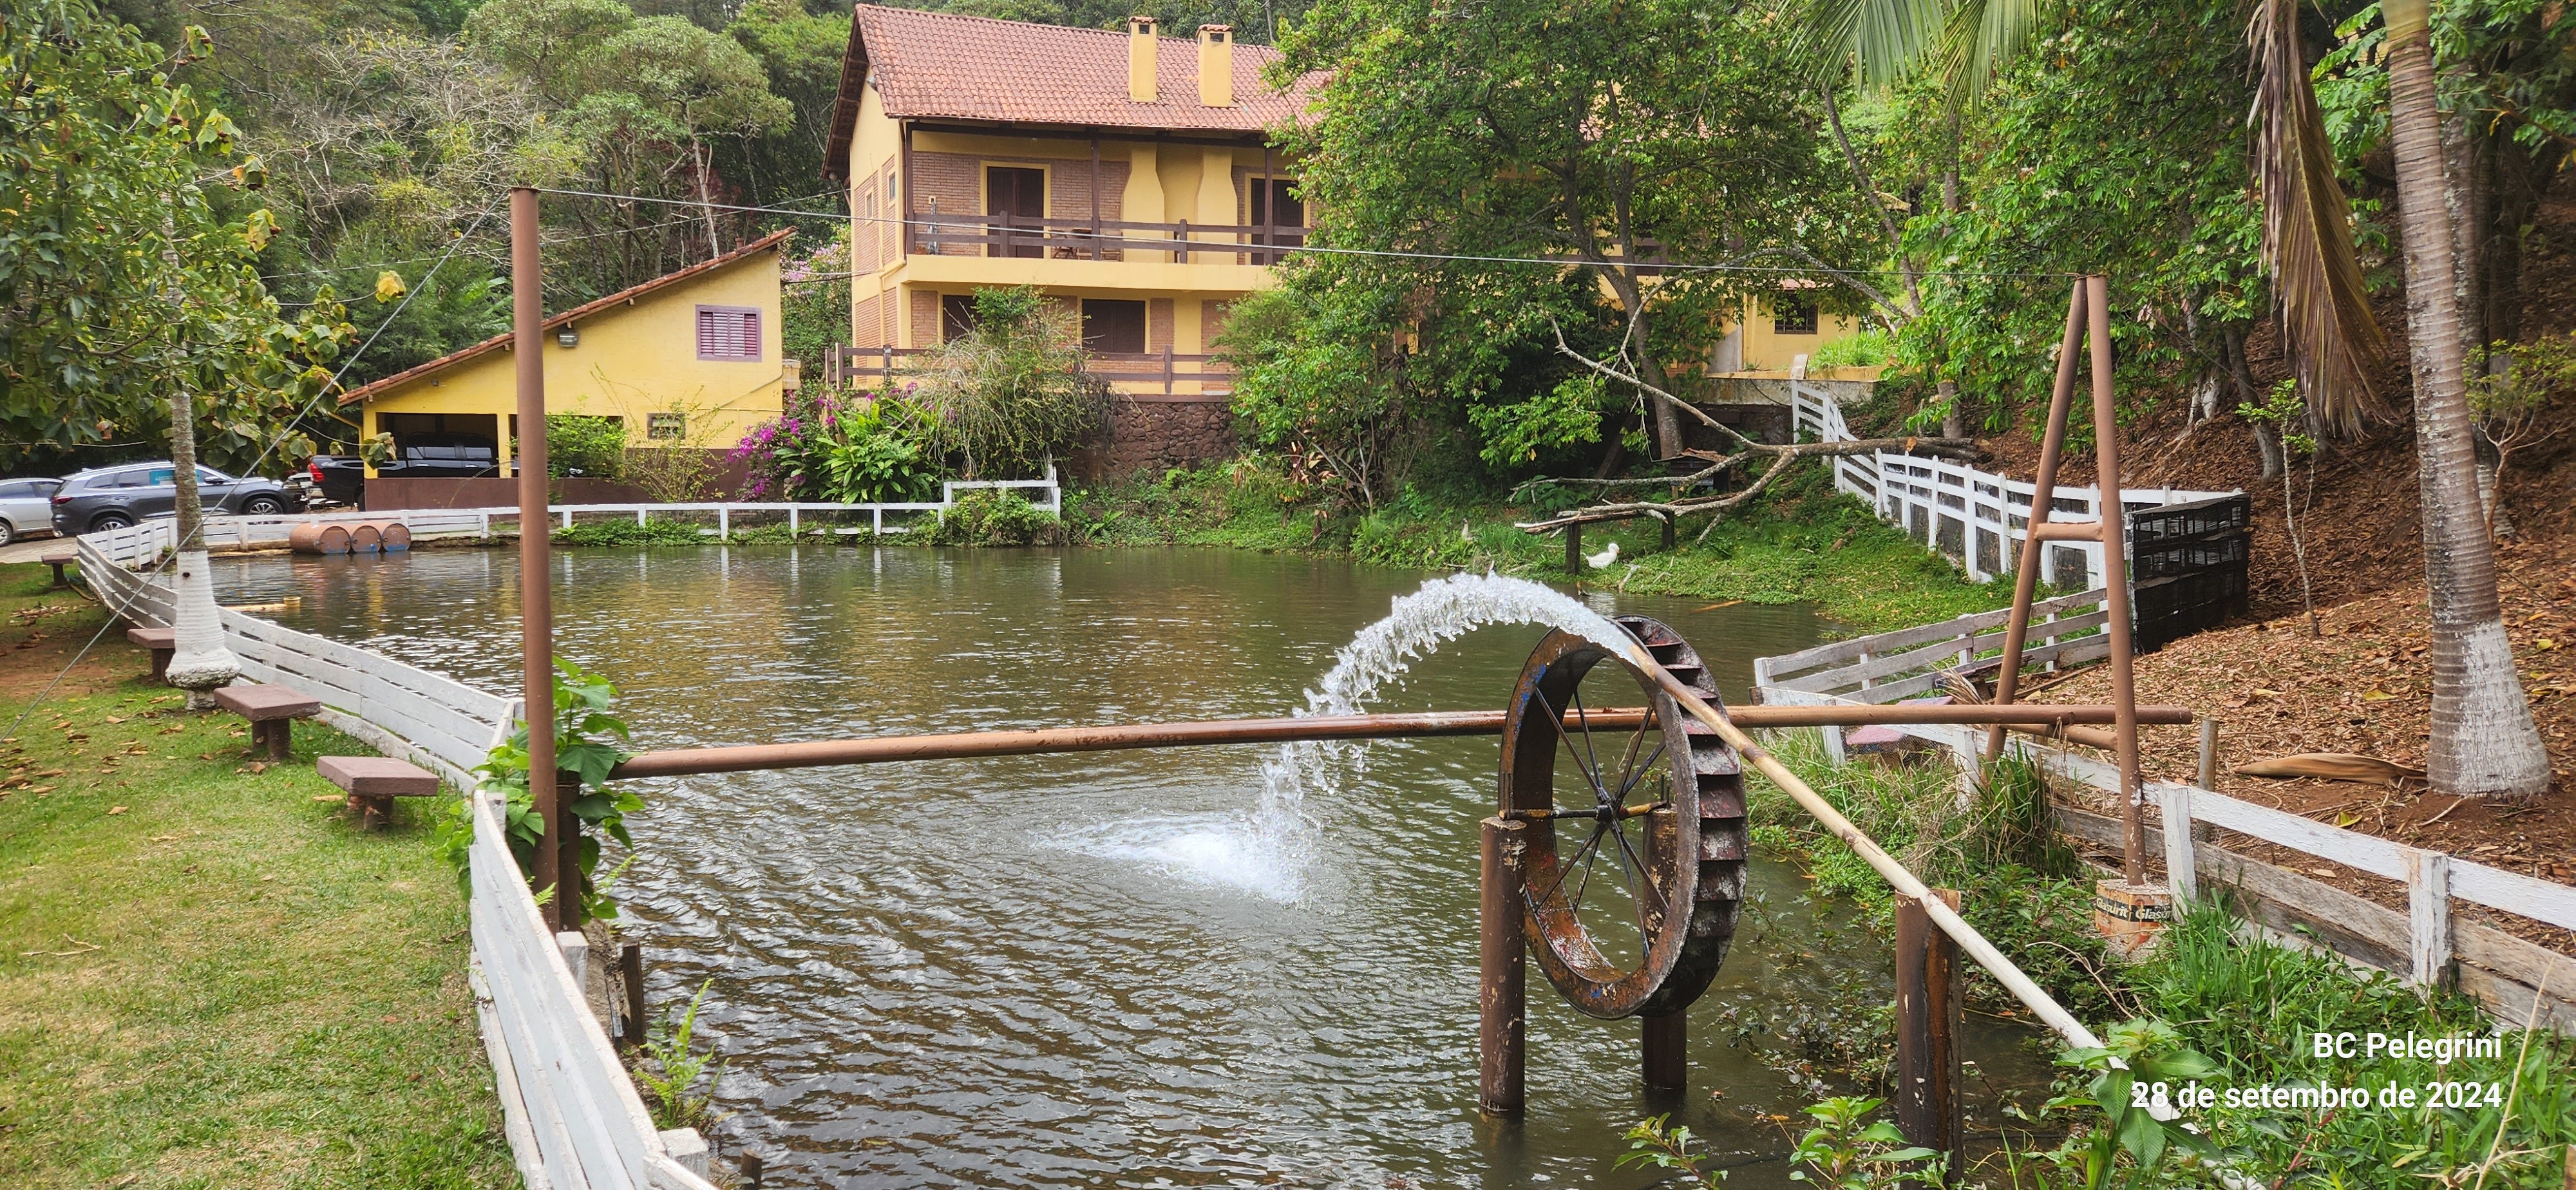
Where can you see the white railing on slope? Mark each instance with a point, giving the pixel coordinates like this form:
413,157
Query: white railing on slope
1977,518
574,1119
1910,661
2433,878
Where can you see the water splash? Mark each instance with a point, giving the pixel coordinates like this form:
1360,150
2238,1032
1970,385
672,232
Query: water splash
1269,850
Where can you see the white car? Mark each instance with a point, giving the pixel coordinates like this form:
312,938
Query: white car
26,507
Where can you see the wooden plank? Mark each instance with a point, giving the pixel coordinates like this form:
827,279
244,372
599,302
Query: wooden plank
2293,904
2502,958
538,988
1843,650
2428,919
2540,900
1943,654
2371,854
505,1082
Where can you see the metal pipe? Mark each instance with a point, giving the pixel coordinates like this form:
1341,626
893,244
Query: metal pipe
2115,580
536,607
957,745
1927,1028
2043,505
2049,1011
1502,984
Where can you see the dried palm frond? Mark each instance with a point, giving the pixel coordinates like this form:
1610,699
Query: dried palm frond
2307,229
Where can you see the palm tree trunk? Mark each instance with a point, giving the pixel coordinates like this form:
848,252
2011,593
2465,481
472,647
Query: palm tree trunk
2483,739
199,662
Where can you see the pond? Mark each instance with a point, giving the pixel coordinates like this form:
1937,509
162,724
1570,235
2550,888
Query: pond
1028,971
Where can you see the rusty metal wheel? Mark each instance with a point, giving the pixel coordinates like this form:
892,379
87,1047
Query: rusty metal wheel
1636,837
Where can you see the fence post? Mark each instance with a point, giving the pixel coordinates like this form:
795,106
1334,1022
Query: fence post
2428,920
630,971
724,520
2206,773
886,362
2181,874
1502,989
1927,1027
791,520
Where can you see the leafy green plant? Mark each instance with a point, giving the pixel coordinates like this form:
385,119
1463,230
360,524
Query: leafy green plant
1863,350
1847,1150
584,445
1657,1143
877,452
2138,1128
584,749
1565,415
2282,410
673,1065
997,517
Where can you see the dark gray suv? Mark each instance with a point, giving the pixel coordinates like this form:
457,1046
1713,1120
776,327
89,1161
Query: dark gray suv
115,497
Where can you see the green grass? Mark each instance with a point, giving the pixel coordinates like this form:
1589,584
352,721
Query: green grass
1801,542
208,977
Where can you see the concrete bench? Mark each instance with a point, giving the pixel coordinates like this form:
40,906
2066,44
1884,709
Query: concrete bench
373,782
161,641
59,559
272,710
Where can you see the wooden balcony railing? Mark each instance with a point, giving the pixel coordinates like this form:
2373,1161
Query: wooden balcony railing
1166,367
1107,239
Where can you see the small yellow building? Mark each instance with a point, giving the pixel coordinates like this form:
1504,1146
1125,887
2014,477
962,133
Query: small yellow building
692,357
1781,331
983,153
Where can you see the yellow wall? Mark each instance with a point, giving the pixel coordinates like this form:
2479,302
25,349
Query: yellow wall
632,360
1767,350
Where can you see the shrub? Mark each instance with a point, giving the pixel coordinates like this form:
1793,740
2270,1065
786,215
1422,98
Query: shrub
997,517
1011,393
658,531
869,450
580,444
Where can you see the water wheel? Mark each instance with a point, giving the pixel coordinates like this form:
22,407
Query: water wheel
1636,840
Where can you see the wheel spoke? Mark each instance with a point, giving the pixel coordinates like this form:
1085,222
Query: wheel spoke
1558,718
1585,718
1567,866
1639,774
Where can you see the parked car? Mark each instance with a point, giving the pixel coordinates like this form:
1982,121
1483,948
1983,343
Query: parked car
428,456
26,506
115,497
329,481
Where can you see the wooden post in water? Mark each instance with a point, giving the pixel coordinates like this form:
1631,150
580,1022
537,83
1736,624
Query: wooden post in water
1927,1027
1502,987
1574,549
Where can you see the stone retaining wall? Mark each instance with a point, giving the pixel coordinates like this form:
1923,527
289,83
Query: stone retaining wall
1152,436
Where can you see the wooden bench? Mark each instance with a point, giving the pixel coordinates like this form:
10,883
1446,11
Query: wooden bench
272,710
373,782
161,641
59,559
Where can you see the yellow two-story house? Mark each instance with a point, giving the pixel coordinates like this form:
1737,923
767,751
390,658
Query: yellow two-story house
983,153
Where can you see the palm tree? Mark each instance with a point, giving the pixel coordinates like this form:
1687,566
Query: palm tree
2484,741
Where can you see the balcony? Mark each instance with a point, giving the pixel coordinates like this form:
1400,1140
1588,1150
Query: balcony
1142,375
1027,237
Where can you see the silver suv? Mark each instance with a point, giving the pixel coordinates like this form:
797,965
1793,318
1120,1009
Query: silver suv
115,497
26,507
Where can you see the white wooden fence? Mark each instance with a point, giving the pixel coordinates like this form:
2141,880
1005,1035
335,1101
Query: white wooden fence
2497,968
1977,518
573,1117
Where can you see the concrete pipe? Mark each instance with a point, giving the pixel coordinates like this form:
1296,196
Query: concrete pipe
314,537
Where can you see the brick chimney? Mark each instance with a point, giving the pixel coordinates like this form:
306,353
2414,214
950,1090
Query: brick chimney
1140,59
1216,65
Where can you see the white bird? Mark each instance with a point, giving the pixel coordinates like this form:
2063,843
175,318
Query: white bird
1602,560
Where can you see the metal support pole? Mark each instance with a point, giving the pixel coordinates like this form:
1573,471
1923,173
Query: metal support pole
2115,580
1665,1052
1502,988
1928,1022
536,607
2043,502
1574,549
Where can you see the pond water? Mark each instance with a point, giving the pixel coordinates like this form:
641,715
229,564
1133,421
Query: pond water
1032,971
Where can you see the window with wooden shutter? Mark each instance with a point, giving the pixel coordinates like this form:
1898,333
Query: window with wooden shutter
728,333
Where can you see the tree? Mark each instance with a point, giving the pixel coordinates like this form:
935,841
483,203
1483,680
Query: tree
1607,134
2484,740
127,237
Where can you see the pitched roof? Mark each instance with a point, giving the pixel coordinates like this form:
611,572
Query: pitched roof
940,65
628,294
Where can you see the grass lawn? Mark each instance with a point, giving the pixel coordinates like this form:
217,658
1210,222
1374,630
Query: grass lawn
208,975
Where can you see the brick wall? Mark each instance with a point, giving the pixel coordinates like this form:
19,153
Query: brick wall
867,323
925,318
955,182
1155,436
1158,324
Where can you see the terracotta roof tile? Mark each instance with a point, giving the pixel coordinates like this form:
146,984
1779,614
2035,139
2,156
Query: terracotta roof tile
938,65
496,342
